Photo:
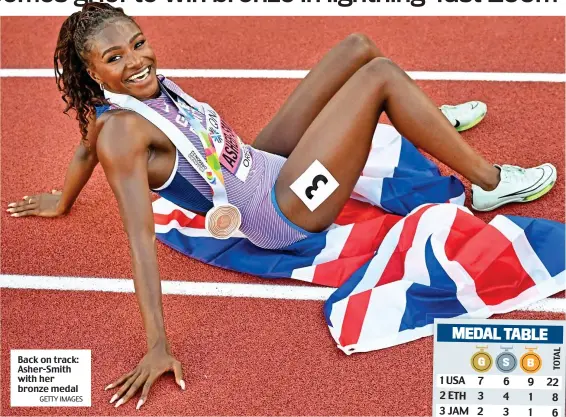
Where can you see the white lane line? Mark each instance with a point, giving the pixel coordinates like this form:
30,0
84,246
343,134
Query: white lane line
298,74
216,289
211,289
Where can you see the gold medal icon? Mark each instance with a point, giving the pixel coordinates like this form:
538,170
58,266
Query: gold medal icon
481,361
531,362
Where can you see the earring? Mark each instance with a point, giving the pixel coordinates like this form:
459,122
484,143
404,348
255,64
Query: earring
101,86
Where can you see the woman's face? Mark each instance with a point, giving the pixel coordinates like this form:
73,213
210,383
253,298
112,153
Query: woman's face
121,58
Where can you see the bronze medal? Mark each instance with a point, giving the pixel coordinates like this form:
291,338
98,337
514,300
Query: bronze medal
223,221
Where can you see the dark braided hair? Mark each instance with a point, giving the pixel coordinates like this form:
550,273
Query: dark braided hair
80,92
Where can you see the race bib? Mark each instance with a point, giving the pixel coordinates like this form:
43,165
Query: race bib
233,154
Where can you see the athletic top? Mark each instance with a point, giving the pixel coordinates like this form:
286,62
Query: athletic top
249,185
185,187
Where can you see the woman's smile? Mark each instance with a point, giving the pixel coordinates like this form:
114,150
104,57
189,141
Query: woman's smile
142,80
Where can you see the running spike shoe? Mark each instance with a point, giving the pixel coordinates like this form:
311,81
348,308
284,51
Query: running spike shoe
465,116
517,185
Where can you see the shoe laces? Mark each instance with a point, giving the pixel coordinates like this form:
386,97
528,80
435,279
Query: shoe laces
513,173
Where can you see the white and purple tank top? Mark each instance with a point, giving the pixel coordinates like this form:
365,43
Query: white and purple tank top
185,187
249,177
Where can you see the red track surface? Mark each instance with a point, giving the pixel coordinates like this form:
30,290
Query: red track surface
425,44
241,356
235,364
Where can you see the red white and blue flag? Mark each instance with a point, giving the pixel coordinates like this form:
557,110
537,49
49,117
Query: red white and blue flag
403,251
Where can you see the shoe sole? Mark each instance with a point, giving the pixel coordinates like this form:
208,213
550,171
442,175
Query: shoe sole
470,125
527,199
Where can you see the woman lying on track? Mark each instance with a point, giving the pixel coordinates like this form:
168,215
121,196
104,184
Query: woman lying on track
329,118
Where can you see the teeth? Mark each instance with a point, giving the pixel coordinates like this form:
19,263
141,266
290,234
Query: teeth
139,75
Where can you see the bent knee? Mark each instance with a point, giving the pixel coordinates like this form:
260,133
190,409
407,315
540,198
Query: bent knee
362,46
382,66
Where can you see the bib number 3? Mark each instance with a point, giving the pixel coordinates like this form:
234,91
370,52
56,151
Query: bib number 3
314,186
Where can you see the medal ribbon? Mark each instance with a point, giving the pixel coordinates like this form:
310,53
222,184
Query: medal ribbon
205,139
209,168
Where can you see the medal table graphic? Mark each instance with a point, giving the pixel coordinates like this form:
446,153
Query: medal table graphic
493,368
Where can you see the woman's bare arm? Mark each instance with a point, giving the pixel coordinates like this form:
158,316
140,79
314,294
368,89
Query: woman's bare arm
58,203
79,172
122,151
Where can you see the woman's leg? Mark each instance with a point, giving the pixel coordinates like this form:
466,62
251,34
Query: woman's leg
285,130
340,138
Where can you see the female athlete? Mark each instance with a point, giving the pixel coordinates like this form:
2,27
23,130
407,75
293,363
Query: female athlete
107,64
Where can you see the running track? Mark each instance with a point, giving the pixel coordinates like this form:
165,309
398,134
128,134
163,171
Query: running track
245,356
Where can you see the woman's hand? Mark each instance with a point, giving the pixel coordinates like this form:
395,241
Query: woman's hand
156,362
43,205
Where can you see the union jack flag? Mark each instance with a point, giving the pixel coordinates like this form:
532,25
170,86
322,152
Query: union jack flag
403,251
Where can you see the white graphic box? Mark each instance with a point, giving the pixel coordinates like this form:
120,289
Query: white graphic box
315,185
50,378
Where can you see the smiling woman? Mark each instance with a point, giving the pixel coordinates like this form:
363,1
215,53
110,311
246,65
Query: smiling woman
106,28
147,133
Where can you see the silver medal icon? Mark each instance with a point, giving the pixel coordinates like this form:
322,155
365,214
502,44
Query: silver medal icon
506,361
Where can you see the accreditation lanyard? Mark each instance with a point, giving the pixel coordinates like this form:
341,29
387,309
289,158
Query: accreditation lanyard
199,130
209,168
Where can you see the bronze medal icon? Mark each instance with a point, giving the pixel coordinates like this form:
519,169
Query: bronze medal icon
531,362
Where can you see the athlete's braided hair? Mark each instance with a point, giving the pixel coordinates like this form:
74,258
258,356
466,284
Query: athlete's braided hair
80,92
